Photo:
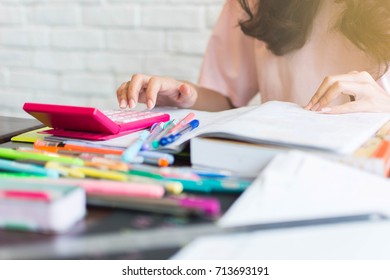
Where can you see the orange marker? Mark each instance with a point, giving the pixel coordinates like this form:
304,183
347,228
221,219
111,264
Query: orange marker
162,162
101,162
55,147
383,153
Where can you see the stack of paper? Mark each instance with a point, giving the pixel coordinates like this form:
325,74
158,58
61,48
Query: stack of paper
300,186
351,241
297,187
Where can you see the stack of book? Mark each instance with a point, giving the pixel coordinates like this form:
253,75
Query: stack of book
40,206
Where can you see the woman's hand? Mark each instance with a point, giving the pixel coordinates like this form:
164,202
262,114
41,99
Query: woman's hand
153,90
368,95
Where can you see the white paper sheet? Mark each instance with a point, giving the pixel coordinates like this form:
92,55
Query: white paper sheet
351,241
301,186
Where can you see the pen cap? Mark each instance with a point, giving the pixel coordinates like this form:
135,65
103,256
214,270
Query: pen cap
208,206
194,123
188,127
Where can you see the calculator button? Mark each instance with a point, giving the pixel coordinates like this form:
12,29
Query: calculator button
127,116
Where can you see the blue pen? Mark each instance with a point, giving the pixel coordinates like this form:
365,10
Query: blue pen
210,173
173,137
131,152
13,166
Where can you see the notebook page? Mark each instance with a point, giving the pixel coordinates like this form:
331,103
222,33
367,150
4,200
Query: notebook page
287,123
300,186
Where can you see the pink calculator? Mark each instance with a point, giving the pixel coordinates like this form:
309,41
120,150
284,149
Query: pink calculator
91,123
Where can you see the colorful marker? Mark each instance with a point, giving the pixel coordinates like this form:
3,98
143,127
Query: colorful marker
102,174
163,133
36,155
131,152
182,123
171,205
9,165
57,146
154,132
156,155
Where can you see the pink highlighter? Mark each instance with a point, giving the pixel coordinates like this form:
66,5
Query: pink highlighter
91,123
110,188
122,188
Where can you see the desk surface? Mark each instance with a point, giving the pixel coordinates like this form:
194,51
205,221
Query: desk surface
11,126
122,228
106,221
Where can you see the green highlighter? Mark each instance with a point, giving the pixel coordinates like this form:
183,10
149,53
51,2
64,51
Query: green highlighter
12,154
227,185
216,185
20,175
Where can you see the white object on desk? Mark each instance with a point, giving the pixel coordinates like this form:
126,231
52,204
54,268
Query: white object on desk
359,241
40,206
244,158
300,186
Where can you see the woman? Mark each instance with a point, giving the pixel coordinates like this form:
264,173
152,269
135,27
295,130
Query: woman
329,56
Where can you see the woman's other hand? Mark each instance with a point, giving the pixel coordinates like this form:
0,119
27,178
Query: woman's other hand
367,94
153,90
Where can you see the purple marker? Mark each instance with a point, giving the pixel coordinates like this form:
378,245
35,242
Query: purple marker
154,132
206,205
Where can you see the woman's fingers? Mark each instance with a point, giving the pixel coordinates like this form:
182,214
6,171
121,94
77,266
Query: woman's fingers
121,95
154,87
134,88
150,89
128,92
335,82
369,96
187,95
335,90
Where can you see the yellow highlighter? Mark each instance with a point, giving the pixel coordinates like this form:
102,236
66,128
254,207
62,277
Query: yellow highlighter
101,174
64,171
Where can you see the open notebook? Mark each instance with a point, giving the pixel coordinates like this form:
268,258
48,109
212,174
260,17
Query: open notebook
277,123
287,124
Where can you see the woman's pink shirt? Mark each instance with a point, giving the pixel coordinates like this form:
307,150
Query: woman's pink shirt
240,67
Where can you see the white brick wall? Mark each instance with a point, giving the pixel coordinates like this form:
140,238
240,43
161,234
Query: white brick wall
79,51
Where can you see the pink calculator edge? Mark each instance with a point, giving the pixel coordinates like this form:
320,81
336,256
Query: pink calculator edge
84,122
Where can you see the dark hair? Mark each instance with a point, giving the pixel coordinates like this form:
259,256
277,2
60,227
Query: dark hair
284,25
